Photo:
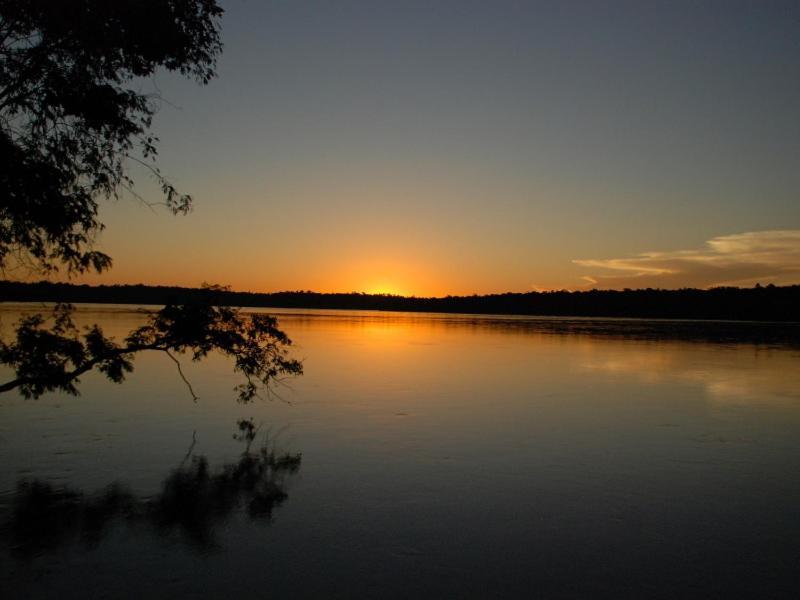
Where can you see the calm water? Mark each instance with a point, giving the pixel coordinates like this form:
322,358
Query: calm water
419,456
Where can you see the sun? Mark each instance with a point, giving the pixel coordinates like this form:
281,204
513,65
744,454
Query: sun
385,288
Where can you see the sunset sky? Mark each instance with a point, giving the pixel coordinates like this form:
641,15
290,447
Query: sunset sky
462,147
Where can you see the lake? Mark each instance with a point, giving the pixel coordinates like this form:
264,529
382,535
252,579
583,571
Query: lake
419,456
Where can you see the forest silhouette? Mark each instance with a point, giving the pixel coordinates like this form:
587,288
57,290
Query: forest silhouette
759,303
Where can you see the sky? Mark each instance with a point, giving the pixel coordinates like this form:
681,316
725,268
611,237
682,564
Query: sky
435,148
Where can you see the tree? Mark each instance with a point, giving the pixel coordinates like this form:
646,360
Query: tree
72,120
71,124
53,357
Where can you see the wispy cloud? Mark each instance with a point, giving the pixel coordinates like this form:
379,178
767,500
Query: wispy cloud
738,259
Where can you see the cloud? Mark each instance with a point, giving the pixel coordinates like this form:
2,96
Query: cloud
740,259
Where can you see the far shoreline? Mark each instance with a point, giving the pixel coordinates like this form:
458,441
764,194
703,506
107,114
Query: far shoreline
777,304
697,326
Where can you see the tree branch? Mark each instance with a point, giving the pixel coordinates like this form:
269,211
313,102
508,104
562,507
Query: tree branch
53,357
195,398
85,367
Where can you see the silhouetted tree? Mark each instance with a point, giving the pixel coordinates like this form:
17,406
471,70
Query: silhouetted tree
71,121
47,358
71,118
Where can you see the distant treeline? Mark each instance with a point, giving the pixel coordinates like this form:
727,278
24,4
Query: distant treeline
760,303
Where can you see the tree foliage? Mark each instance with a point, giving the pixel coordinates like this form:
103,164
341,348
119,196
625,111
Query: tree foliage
72,119
48,357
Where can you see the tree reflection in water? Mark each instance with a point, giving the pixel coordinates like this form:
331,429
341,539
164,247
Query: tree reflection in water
192,500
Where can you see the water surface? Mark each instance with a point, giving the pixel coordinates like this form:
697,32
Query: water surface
424,456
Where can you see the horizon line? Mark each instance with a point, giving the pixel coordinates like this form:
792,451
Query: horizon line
229,289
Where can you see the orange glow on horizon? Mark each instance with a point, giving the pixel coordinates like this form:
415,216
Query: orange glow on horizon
384,287
348,281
